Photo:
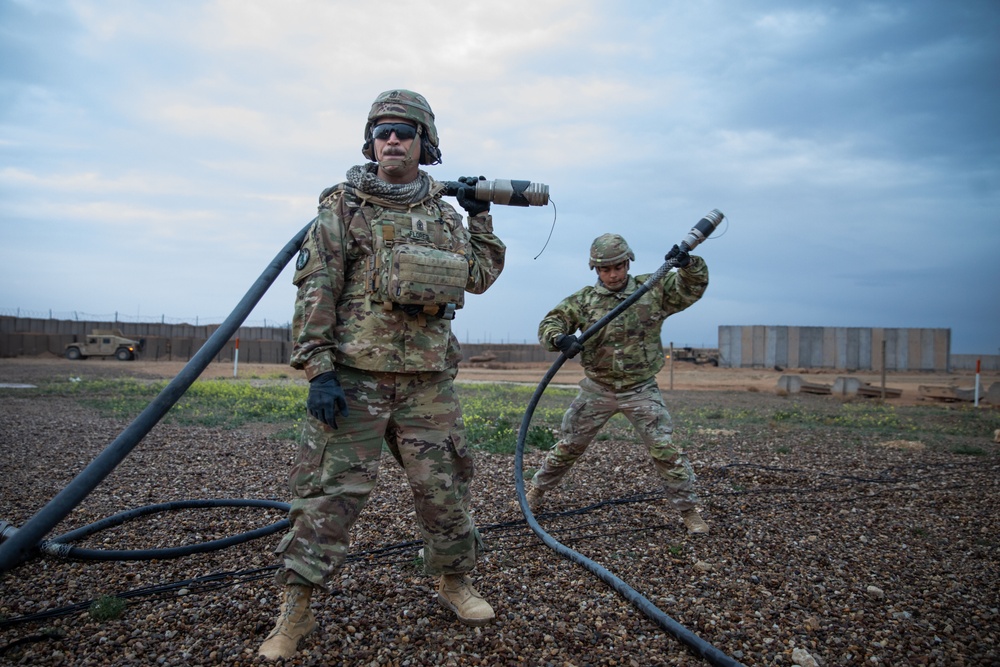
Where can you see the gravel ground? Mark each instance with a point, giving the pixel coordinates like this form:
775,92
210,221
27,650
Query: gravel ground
849,548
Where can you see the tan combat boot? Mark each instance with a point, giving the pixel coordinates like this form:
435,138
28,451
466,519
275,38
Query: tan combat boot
695,524
455,592
534,498
295,621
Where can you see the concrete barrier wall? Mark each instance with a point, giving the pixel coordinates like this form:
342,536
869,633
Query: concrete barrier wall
154,349
510,353
170,342
29,337
847,348
757,346
967,362
134,329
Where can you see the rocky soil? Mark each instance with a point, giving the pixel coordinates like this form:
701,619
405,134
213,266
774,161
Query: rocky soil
832,545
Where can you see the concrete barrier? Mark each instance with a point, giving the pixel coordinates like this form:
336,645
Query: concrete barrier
794,384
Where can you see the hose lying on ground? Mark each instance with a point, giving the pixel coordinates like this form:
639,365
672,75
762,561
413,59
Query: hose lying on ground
60,547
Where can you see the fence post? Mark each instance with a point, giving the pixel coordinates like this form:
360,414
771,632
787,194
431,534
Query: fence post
977,383
883,368
671,365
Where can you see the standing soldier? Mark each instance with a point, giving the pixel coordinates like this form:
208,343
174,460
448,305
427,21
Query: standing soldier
620,362
379,276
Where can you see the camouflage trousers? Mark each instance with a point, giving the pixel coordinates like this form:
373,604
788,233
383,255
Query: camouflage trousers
643,406
419,418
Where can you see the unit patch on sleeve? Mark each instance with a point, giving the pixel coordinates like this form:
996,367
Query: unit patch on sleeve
302,260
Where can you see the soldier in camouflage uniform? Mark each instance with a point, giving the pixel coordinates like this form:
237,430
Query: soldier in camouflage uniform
620,362
379,276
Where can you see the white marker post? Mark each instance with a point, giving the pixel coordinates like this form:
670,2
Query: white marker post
977,383
236,356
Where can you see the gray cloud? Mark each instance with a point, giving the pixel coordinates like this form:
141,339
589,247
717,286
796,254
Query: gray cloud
853,147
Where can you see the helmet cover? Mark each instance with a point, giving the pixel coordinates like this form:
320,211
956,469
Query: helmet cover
608,250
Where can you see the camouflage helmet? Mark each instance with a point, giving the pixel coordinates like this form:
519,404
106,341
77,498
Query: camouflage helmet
412,106
608,250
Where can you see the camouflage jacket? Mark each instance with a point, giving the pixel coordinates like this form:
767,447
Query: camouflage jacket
628,350
335,321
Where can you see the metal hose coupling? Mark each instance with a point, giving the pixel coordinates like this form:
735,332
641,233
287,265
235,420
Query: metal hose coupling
503,191
703,229
7,530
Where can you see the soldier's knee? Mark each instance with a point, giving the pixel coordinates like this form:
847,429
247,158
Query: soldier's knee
681,474
665,452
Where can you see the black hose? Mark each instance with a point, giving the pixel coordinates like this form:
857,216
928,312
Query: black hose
699,646
24,542
60,546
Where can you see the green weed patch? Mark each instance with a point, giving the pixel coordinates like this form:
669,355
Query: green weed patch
107,608
493,414
213,403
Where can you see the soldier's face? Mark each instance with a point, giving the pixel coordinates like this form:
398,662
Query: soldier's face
614,277
399,159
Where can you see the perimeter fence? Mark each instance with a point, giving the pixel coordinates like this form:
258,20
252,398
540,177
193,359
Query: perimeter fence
26,333
162,341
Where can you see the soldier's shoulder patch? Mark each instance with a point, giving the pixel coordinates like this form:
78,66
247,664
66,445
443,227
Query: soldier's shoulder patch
303,259
308,260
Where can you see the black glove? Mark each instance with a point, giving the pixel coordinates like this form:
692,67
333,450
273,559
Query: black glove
681,256
326,397
466,196
568,345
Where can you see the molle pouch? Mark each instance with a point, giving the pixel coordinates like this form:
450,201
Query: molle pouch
423,275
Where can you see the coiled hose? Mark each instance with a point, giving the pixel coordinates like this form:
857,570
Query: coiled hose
60,547
698,646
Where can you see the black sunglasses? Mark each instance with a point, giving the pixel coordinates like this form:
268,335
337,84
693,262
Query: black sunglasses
404,131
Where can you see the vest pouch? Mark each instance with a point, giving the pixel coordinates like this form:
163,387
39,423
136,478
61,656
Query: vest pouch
423,275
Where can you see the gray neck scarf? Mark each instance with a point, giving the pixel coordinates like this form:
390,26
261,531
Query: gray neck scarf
363,177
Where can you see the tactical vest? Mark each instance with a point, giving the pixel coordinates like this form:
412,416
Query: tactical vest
413,262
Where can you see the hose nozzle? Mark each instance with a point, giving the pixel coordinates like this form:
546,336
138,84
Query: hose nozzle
503,191
703,229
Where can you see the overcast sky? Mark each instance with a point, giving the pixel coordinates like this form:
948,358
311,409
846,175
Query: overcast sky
156,156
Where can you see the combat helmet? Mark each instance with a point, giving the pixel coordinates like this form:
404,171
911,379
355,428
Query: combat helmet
412,106
608,250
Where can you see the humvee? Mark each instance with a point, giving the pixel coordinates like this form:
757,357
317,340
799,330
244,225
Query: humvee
696,355
105,343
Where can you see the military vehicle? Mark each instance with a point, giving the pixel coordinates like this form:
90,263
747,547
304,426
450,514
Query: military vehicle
105,343
696,355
